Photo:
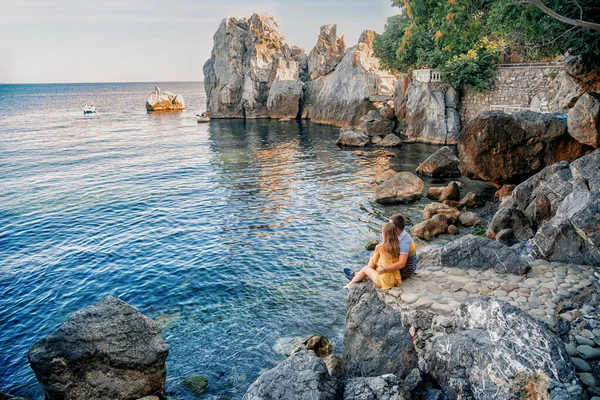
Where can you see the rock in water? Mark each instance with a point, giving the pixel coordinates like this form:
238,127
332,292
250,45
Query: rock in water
390,140
164,101
302,376
327,53
344,98
349,137
109,350
501,353
375,341
252,72
474,252
502,148
443,163
432,113
196,384
584,120
403,187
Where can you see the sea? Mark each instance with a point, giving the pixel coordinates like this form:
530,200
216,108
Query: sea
232,235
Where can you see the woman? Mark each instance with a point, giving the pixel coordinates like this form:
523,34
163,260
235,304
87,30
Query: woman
385,254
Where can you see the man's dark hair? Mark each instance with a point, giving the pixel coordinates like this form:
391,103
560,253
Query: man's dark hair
399,220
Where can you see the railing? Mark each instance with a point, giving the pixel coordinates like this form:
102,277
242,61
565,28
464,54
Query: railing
427,75
533,65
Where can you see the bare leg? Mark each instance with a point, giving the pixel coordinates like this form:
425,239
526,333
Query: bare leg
362,274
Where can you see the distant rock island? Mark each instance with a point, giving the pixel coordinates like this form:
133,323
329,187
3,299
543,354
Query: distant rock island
164,101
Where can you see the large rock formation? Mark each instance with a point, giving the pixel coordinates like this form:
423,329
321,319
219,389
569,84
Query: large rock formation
403,187
385,387
109,350
499,147
584,120
302,376
345,95
375,341
252,72
164,101
431,112
327,53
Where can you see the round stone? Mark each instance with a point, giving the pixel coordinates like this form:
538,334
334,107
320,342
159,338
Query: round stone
580,365
588,352
587,379
584,341
409,298
499,293
571,349
587,334
537,313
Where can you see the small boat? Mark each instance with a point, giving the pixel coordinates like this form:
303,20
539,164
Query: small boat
89,109
202,118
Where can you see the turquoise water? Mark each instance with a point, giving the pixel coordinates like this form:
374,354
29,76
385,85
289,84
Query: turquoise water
231,234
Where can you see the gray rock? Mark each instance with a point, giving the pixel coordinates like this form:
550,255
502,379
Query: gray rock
588,353
302,376
429,256
496,355
349,137
402,187
107,350
390,140
327,53
474,252
372,325
584,120
284,98
442,163
471,219
587,379
432,113
386,387
507,237
580,365
513,219
335,365
400,95
378,127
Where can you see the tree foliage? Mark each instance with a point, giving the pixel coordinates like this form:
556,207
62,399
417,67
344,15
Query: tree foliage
465,38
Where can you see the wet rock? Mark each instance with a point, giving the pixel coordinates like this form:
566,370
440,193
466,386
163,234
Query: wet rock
471,219
502,148
442,163
165,101
403,187
471,200
196,384
432,209
372,325
327,53
429,228
349,137
344,97
390,140
474,252
107,350
386,387
302,376
371,245
449,192
513,219
584,120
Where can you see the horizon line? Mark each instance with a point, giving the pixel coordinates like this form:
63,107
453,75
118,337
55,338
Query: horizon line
96,82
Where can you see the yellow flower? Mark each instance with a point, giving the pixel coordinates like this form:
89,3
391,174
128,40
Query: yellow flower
447,48
452,2
450,16
438,34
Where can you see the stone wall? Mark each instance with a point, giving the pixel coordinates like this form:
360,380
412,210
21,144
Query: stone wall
530,86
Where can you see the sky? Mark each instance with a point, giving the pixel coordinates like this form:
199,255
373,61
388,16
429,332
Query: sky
52,41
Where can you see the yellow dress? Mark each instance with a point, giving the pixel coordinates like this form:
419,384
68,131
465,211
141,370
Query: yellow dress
388,280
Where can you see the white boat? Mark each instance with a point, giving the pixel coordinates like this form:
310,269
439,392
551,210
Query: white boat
89,109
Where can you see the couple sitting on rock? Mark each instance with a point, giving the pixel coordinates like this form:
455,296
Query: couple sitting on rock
395,258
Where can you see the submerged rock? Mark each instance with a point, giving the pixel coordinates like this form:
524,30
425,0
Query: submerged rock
345,96
196,384
164,101
442,163
302,376
502,148
403,187
109,350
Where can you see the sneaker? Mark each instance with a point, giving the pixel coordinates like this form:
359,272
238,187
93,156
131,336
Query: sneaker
349,274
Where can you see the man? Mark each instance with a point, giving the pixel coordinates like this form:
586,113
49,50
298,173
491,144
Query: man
407,264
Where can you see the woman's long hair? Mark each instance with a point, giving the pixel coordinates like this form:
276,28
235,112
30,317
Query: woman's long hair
390,239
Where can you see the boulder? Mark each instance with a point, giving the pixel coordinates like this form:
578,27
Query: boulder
502,148
378,126
390,140
327,53
382,176
429,256
568,90
507,237
375,341
442,163
109,350
453,230
513,219
164,101
432,113
376,139
345,96
317,343
438,208
500,352
349,137
252,72
584,120
403,187
196,384
471,219
471,199
437,225
387,111
335,366
385,387
302,376
475,252
504,192
449,192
